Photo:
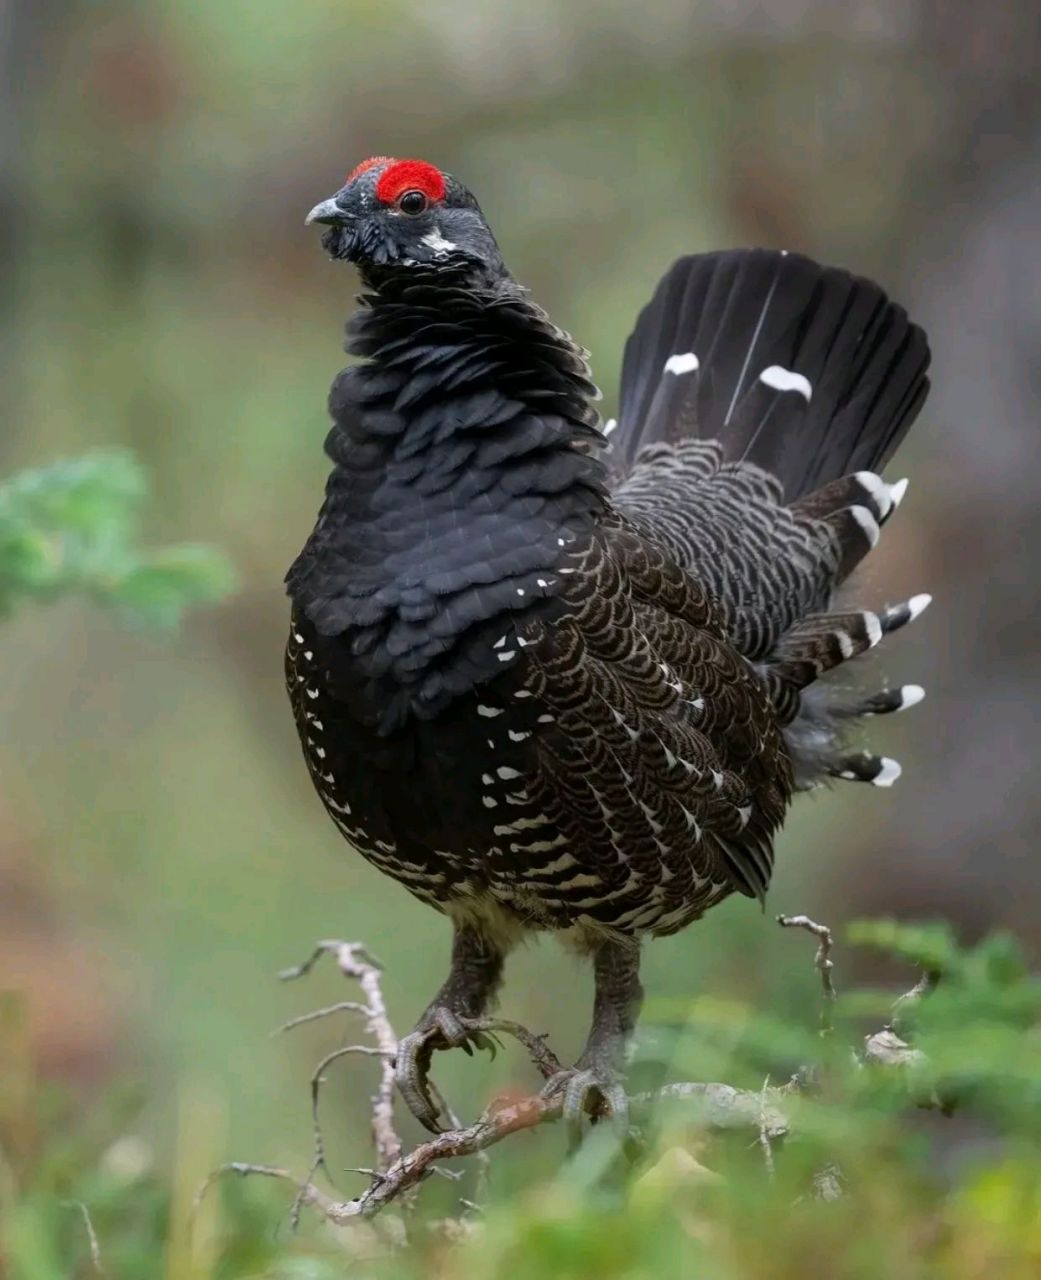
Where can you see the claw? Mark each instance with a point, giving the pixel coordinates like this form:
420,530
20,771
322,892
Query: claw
440,1029
585,1093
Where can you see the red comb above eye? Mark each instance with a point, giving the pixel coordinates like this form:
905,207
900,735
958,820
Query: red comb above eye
364,167
410,175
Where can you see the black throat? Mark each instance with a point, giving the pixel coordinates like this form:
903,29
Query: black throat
465,450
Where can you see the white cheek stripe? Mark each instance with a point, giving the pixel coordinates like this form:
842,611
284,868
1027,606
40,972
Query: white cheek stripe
436,241
787,380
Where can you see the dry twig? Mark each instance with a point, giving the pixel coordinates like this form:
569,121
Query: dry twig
356,962
822,961
716,1107
92,1235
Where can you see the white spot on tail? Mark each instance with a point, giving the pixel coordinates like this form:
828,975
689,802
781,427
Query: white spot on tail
685,362
506,773
897,491
482,710
782,379
888,774
610,425
874,629
918,604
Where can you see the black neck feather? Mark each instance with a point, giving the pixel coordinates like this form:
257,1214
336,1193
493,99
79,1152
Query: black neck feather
465,451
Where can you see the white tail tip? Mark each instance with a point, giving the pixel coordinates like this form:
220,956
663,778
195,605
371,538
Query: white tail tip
897,491
888,774
918,604
911,695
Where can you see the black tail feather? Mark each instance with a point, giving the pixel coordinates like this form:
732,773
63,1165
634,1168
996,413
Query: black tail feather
807,371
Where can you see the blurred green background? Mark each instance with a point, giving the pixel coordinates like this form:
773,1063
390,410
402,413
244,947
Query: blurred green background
162,853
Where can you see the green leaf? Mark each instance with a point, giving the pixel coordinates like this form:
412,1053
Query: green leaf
72,527
929,946
159,590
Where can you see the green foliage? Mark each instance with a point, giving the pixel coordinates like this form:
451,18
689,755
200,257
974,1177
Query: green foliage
72,526
692,1207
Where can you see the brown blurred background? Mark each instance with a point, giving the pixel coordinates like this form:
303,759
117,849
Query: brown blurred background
161,851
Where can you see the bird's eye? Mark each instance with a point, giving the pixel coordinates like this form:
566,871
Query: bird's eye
412,202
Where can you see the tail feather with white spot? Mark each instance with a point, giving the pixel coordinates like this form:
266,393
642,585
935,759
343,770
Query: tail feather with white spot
808,371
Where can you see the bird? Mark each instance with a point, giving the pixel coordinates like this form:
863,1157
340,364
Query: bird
559,675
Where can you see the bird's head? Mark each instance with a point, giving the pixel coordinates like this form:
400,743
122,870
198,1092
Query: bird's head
401,214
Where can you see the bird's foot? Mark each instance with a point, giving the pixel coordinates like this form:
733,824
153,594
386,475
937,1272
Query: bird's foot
439,1028
589,1092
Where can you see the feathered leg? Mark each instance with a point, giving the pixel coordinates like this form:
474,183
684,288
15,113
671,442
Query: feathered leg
474,978
593,1085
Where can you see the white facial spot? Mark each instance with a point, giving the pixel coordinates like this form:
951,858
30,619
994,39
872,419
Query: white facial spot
781,379
436,241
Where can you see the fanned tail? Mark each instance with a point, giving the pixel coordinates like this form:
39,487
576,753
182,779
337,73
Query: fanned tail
761,396
807,371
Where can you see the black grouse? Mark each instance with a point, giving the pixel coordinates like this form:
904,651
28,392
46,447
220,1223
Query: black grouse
556,676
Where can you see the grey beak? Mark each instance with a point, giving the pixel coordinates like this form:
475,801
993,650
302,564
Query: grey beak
329,212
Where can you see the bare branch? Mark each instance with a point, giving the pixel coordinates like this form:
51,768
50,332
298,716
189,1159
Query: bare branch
344,1006
927,983
720,1108
716,1107
92,1235
822,961
354,960
542,1056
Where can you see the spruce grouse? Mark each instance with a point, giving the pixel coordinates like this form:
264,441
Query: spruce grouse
556,676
